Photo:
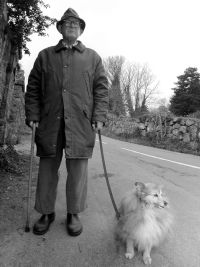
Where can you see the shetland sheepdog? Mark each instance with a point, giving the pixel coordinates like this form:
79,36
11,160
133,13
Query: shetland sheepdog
145,220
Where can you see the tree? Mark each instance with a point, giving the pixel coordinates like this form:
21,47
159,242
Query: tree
139,85
127,77
113,66
163,107
24,18
145,87
132,86
186,98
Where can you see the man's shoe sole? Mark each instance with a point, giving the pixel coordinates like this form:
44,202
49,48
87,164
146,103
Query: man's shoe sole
74,233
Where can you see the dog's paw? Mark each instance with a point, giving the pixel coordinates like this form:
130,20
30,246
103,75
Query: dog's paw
147,259
129,255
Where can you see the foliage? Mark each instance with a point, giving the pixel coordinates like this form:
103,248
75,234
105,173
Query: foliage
25,17
138,85
127,77
113,66
195,115
10,160
131,86
186,98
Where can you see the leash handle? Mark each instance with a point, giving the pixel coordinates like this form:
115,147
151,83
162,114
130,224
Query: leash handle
106,176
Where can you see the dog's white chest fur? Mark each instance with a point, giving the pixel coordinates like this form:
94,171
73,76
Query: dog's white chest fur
148,231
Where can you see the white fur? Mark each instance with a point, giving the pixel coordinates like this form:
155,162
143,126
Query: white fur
145,220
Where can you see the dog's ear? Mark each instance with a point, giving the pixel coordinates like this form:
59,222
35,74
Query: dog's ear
139,186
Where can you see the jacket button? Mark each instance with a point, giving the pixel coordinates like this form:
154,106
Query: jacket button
64,90
58,117
66,66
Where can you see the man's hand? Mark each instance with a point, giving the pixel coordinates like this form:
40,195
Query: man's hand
98,125
31,124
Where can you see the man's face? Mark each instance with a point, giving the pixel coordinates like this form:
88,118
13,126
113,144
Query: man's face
71,29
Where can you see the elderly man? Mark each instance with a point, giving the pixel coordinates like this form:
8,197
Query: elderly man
67,98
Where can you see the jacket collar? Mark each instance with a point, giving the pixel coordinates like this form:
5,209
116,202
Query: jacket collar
80,47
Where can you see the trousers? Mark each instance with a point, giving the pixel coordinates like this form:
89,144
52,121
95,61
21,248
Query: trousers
48,176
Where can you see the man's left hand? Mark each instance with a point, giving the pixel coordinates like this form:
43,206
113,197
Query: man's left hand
98,125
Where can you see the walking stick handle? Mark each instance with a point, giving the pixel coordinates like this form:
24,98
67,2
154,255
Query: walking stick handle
27,227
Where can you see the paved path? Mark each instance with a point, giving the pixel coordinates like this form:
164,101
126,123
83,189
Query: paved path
126,163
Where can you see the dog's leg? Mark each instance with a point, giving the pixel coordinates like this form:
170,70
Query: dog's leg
129,249
146,255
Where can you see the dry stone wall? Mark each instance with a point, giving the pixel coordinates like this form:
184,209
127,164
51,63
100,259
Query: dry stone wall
183,129
16,116
11,91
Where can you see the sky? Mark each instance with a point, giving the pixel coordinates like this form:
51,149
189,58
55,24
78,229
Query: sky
165,34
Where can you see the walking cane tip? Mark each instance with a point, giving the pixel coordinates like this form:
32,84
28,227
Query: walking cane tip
27,229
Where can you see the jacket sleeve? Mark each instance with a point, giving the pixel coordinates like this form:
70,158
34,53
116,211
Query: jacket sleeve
100,93
33,92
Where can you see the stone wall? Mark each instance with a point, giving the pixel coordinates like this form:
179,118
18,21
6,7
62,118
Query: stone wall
16,116
183,129
9,85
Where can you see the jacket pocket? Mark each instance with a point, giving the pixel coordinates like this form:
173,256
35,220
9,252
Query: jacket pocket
43,118
89,131
87,113
45,110
88,83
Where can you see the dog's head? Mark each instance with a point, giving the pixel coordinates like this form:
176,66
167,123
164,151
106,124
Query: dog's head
151,194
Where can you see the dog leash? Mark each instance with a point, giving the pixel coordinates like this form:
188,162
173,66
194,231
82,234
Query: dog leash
106,177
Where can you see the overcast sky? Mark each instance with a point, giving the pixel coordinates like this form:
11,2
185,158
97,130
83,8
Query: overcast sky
165,34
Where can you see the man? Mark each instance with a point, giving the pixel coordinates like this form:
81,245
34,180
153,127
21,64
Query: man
67,98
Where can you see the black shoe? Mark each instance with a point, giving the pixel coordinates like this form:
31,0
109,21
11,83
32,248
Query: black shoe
73,224
42,225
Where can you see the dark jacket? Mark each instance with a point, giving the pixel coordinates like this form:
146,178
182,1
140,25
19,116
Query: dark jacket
67,84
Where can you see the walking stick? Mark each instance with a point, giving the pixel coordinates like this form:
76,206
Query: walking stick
106,176
27,227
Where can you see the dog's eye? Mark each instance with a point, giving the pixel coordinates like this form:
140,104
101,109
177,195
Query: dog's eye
155,195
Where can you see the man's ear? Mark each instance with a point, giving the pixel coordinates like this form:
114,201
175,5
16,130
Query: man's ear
59,28
139,187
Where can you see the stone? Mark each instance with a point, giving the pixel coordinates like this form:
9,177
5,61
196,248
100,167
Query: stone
118,131
150,127
141,126
189,122
176,126
182,122
183,129
186,138
194,145
177,120
175,132
143,133
193,132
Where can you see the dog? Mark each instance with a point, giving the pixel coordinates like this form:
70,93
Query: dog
145,220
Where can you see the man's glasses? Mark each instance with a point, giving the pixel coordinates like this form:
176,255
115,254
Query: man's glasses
69,23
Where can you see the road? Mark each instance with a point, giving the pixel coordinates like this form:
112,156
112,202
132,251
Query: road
126,163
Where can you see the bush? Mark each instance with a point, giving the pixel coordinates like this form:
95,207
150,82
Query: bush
10,160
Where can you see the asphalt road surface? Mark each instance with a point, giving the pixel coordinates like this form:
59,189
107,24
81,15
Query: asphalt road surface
126,163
